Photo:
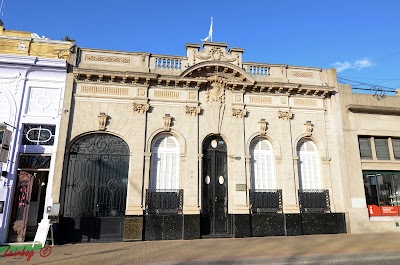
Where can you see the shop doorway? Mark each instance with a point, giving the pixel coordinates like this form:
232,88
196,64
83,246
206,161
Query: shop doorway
215,221
95,189
29,197
382,192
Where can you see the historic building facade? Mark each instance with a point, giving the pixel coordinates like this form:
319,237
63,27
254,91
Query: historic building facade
32,80
369,136
203,145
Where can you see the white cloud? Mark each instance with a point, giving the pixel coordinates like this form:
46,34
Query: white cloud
357,64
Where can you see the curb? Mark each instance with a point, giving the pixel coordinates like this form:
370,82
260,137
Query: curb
314,259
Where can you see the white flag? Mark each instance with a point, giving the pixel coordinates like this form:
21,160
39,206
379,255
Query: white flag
210,32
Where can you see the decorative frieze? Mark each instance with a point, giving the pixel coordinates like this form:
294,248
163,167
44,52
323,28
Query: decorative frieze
193,110
141,92
309,128
260,100
141,107
238,98
107,59
166,94
21,47
239,113
285,115
305,102
303,74
121,91
192,95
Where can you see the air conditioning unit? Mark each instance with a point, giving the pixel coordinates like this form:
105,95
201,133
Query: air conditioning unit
5,140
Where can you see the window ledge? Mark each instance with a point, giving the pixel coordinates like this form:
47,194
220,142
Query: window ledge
384,219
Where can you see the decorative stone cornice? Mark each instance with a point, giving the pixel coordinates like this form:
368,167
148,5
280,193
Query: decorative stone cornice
239,113
285,115
207,76
193,110
141,107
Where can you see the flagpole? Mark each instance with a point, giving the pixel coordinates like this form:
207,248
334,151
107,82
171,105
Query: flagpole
211,27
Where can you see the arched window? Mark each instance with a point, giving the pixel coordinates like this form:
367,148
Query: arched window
262,169
308,165
164,172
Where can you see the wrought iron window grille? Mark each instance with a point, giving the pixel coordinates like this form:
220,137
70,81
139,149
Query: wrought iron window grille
265,201
314,201
164,201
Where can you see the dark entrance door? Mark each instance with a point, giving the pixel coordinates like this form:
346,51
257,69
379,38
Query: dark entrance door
215,221
95,189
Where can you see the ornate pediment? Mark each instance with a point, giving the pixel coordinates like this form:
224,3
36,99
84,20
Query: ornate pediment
219,77
228,73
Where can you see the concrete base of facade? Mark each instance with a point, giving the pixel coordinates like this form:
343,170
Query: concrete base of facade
175,227
189,226
360,222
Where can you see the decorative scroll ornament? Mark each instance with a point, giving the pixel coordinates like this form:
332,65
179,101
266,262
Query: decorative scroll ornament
263,126
36,36
285,115
216,54
193,110
141,107
239,113
309,128
102,121
167,122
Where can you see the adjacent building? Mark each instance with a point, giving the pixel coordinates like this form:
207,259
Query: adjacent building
369,136
203,145
32,81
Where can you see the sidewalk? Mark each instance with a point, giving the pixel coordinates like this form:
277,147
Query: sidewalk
265,250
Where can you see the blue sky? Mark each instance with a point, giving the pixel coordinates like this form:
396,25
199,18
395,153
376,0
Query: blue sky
359,37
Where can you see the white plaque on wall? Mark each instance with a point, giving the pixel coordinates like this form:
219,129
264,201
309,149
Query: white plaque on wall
358,203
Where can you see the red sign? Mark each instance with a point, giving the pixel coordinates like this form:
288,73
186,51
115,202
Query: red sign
374,210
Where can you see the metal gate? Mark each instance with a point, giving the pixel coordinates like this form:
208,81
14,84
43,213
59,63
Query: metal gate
95,189
215,221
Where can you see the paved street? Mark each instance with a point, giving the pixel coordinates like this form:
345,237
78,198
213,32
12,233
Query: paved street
316,249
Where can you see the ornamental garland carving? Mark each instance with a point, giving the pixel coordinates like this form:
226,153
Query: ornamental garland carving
108,59
239,113
193,110
141,107
217,54
285,115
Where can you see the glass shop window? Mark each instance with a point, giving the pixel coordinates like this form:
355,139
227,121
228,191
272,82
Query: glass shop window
382,193
38,134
